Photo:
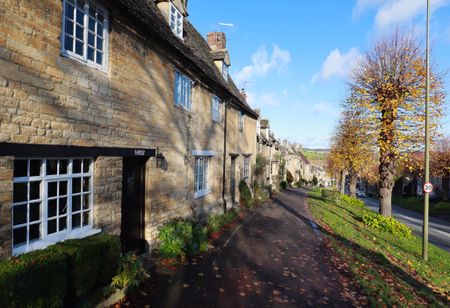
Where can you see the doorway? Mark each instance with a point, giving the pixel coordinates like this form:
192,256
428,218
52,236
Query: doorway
233,180
133,205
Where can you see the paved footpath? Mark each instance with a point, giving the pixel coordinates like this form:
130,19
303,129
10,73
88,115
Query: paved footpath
276,258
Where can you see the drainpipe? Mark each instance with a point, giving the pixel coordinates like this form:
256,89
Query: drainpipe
224,158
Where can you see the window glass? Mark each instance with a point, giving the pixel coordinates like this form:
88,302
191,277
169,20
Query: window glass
182,90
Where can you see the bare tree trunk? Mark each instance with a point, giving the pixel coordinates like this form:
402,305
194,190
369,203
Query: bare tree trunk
386,183
342,186
352,179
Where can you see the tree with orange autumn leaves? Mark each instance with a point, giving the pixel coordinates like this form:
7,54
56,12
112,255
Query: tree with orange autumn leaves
388,94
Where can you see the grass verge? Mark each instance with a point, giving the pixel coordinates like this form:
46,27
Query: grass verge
416,204
388,269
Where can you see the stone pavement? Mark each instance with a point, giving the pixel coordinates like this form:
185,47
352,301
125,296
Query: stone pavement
275,258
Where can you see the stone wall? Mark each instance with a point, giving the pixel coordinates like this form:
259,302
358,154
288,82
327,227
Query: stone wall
6,187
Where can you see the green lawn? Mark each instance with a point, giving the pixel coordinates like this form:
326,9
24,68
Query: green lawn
416,204
388,269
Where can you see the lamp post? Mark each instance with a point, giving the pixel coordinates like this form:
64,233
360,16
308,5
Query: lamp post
427,142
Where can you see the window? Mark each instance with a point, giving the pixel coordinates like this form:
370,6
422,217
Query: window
224,71
246,167
201,184
182,90
85,32
52,201
241,121
176,21
215,109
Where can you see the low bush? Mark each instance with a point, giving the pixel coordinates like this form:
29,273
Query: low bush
261,194
216,222
386,224
182,237
330,195
351,201
131,273
283,185
289,177
246,198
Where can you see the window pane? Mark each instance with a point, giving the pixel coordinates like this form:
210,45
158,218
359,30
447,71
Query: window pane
99,43
80,3
69,27
90,53
52,189
52,165
63,163
20,168
91,38
76,220
63,223
76,203
62,206
91,24
62,188
19,214
51,226
68,43
35,211
20,192
78,47
52,208
86,202
100,17
92,11
99,57
35,232
86,165
86,186
76,168
69,11
79,32
35,188
76,185
85,218
99,29
19,235
35,167
80,17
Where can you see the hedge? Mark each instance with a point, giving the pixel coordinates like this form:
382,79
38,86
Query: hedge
60,274
246,197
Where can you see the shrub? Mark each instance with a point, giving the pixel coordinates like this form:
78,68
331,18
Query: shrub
351,201
386,224
181,237
289,177
330,195
261,163
246,198
216,222
35,279
131,273
283,185
315,181
261,194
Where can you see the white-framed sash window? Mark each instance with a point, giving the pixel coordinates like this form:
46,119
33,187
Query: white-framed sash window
246,168
183,90
176,21
215,109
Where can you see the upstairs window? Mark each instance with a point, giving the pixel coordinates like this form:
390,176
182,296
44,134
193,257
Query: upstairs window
85,34
241,121
224,71
246,172
215,108
201,185
176,21
183,90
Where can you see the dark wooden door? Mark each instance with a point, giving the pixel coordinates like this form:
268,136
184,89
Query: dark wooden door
133,205
233,180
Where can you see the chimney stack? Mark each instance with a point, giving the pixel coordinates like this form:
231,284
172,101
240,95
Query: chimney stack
217,40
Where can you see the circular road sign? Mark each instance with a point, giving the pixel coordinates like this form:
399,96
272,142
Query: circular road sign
428,187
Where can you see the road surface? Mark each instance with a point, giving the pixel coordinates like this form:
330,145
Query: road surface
439,230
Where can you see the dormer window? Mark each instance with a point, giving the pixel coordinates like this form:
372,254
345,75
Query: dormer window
176,21
224,70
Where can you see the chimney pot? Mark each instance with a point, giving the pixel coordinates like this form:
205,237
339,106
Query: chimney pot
217,40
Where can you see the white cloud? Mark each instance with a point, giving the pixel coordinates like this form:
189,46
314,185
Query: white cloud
315,142
263,63
337,64
391,12
263,100
327,109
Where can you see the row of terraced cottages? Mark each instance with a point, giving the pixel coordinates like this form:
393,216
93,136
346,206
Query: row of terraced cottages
115,116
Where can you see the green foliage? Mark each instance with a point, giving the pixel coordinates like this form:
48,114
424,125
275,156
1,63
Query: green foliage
282,167
261,163
386,224
60,274
246,198
216,222
182,237
330,195
283,185
261,194
351,201
131,273
35,279
315,181
289,177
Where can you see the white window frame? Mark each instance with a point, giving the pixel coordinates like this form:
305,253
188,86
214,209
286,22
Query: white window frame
241,121
84,230
83,58
202,166
175,20
182,91
216,109
224,70
246,167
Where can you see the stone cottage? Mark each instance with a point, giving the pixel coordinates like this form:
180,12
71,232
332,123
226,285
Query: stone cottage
115,116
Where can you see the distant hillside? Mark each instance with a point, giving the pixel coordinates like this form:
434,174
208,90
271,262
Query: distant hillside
316,156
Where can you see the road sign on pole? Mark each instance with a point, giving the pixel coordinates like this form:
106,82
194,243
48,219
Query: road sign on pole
428,187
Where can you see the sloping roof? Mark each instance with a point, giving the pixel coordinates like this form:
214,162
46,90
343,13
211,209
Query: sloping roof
304,158
193,49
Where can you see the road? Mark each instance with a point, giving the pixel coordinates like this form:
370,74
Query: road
439,230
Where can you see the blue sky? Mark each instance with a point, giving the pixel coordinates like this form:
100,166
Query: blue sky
293,56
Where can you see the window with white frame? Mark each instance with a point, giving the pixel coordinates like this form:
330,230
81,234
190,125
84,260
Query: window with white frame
85,32
201,185
241,121
224,71
52,201
176,21
215,108
246,172
183,89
